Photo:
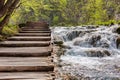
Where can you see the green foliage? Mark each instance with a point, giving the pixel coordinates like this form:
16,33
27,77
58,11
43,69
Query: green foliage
10,30
108,23
1,38
118,22
67,12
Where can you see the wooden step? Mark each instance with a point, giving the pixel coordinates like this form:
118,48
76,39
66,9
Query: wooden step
25,51
24,43
23,64
35,31
34,34
35,28
29,38
26,76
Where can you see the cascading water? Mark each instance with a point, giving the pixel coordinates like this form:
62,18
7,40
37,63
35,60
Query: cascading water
94,52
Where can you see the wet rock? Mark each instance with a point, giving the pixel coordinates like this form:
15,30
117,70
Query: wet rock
77,41
98,53
56,38
117,67
65,47
58,42
106,52
91,26
94,39
117,42
73,34
118,30
60,52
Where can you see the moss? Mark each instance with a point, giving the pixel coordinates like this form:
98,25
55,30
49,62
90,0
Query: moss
58,43
10,30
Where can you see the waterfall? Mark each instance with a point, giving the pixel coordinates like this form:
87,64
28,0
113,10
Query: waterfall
94,52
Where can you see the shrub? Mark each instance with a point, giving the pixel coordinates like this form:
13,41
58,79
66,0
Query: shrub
10,30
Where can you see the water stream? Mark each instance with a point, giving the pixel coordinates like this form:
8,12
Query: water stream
94,52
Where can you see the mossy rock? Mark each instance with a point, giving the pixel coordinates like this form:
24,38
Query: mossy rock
65,47
58,42
60,52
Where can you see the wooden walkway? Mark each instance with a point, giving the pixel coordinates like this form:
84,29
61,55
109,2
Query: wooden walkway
27,56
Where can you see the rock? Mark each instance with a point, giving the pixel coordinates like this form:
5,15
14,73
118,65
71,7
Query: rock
60,52
118,30
98,53
65,47
73,34
106,52
117,42
56,38
94,39
58,42
91,26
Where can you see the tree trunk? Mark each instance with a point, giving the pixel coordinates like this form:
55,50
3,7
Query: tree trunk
8,14
2,3
5,7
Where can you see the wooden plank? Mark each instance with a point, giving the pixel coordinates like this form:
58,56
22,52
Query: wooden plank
30,29
29,38
35,31
33,34
25,64
26,76
26,51
25,43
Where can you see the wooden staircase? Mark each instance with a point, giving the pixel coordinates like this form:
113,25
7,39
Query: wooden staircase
27,56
